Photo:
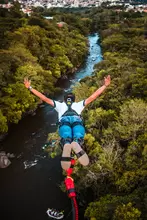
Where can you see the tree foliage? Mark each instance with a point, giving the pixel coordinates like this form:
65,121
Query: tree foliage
116,122
36,48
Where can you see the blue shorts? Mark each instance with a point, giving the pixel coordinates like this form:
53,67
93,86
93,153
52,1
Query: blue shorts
71,133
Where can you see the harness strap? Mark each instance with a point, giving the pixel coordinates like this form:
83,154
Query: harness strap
65,159
81,153
79,140
70,125
77,123
64,123
70,112
64,141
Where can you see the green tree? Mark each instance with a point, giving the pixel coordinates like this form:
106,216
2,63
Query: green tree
132,120
126,212
15,10
3,123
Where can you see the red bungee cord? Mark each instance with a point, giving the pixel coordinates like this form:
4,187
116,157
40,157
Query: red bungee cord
69,183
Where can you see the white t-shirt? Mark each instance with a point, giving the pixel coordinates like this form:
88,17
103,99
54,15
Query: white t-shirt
61,107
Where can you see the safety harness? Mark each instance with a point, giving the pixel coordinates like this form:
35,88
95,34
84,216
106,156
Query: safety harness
70,112
70,187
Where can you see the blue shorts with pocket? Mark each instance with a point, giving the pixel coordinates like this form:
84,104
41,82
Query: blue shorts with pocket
69,132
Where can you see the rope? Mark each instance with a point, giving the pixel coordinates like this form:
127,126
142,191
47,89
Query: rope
69,184
75,209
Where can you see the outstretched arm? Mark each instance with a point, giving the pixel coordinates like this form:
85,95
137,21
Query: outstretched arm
107,81
27,84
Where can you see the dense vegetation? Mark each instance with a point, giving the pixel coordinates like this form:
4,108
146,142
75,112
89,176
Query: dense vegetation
116,122
36,48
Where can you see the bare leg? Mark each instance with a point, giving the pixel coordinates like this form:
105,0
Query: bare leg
65,164
84,160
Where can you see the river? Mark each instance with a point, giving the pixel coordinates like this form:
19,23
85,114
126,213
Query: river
31,183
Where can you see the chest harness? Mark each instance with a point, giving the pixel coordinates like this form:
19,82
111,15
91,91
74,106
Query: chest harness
70,112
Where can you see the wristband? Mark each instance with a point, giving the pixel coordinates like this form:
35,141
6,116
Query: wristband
30,88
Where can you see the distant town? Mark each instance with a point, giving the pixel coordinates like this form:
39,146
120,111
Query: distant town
28,4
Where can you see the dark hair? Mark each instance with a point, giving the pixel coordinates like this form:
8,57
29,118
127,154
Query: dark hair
69,95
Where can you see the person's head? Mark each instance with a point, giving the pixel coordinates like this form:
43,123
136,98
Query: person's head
69,96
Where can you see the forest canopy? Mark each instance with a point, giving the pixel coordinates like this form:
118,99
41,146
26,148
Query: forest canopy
36,48
116,123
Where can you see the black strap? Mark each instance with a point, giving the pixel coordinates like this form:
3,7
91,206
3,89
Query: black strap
77,123
71,190
81,153
64,141
80,141
70,112
70,125
64,123
65,159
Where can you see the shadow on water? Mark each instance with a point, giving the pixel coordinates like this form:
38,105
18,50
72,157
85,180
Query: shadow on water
30,184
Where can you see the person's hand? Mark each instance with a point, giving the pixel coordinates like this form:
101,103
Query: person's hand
27,83
107,80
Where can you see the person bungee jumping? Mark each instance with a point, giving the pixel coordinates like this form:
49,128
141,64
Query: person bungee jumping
71,128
